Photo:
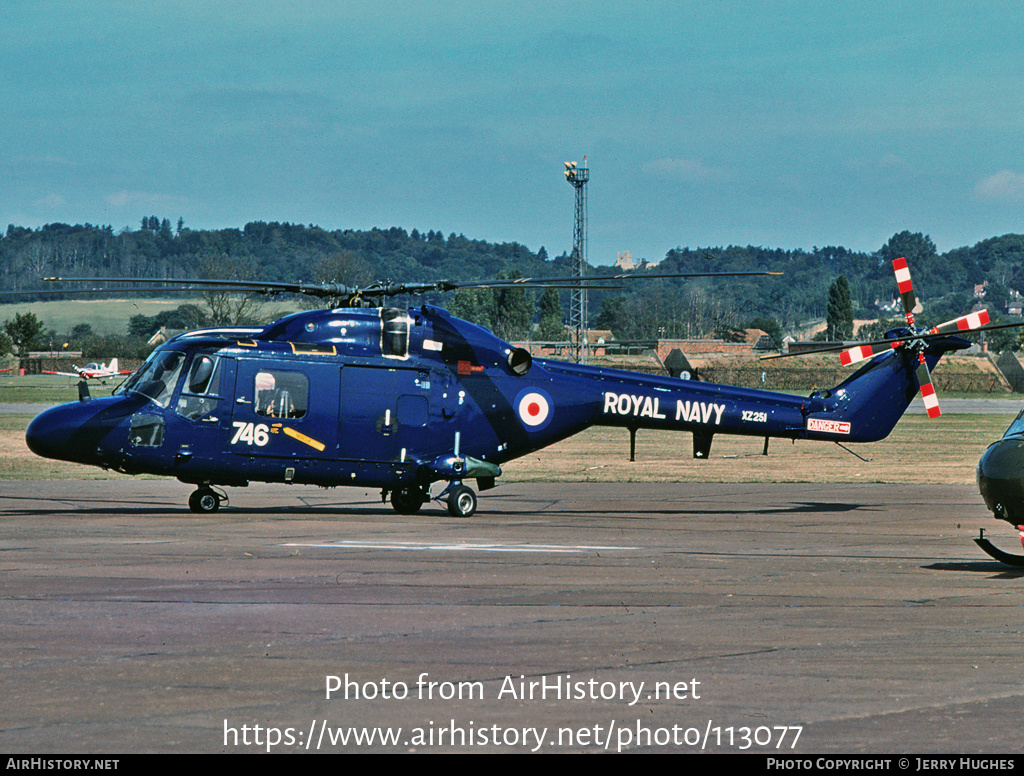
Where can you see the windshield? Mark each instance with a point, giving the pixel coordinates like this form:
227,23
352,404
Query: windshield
157,377
1017,427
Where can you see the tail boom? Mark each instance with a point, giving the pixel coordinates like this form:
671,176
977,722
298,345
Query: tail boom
863,408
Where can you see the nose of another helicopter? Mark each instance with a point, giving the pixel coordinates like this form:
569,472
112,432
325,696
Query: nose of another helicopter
1001,479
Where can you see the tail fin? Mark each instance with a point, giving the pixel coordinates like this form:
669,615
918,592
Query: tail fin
867,405
678,366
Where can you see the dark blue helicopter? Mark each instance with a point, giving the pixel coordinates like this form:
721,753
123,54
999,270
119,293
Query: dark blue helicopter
403,399
1001,482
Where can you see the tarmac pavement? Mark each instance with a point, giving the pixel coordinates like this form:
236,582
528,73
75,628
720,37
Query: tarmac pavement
781,619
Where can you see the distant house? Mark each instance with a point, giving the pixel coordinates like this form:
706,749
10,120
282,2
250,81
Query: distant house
625,262
162,335
596,339
753,339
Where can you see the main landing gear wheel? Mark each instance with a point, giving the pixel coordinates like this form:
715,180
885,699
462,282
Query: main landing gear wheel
407,501
204,501
461,501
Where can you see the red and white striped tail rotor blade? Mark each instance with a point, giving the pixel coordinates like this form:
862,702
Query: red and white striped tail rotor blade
924,380
861,353
902,271
968,322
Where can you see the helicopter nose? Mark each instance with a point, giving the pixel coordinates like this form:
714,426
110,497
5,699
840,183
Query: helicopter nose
69,432
1001,479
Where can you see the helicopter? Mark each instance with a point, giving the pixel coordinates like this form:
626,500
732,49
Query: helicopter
403,399
1001,482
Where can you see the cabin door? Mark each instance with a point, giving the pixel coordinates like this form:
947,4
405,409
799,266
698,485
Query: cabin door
387,413
284,409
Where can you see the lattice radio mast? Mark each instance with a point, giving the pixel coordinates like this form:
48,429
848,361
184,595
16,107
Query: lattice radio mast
578,177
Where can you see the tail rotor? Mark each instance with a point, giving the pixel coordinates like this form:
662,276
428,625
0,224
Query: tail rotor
924,382
916,341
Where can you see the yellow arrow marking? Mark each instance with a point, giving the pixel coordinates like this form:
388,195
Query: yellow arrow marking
304,439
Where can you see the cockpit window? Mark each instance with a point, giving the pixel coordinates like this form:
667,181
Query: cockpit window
199,377
157,377
1017,427
199,393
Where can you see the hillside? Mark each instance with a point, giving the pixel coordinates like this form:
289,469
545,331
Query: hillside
279,251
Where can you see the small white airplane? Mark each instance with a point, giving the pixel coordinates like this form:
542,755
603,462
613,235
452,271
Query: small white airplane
94,371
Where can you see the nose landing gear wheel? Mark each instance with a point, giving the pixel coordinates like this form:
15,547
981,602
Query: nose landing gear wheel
461,501
204,501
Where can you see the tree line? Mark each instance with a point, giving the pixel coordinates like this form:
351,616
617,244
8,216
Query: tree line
645,309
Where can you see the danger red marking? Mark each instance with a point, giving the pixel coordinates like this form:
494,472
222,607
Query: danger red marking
828,426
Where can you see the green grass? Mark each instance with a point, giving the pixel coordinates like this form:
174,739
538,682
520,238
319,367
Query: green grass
107,316
919,450
45,389
14,423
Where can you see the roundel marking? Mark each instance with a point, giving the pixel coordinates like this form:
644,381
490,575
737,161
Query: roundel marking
534,408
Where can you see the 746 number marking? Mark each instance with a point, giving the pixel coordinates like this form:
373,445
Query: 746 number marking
251,433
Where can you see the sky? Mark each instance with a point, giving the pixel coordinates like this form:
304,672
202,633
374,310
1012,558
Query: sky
784,124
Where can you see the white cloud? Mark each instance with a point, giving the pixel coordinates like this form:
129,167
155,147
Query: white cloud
130,199
692,170
1004,186
50,201
886,163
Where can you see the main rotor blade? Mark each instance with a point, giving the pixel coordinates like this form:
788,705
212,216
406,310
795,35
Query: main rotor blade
66,291
209,284
322,290
592,279
932,333
646,275
388,288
